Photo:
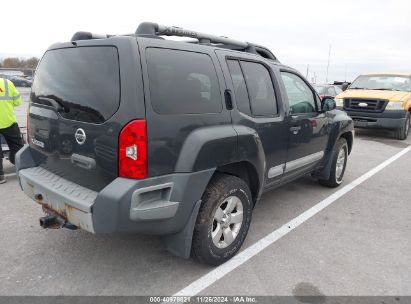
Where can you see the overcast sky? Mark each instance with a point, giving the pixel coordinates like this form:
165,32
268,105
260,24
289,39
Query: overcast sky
366,36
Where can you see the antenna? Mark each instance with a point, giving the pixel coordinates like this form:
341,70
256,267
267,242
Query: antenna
345,74
328,64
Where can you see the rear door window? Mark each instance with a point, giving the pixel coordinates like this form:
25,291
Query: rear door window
253,88
85,81
182,82
240,88
260,89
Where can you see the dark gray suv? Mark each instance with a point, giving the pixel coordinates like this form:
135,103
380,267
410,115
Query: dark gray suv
138,134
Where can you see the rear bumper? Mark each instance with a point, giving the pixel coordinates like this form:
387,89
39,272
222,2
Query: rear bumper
392,119
159,205
57,195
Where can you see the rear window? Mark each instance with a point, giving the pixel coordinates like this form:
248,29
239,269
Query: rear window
182,82
83,82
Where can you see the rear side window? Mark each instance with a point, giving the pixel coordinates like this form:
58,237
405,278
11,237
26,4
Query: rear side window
83,80
338,90
331,91
182,82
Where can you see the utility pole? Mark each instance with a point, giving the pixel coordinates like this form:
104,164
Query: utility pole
308,67
328,64
345,75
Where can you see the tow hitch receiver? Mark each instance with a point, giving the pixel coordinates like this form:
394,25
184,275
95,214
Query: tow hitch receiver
55,222
52,219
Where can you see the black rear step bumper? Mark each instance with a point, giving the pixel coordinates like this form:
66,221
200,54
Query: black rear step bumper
389,119
160,205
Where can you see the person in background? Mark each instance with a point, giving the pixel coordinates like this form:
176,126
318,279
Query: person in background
9,99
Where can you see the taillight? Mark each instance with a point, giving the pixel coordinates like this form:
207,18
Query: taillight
132,158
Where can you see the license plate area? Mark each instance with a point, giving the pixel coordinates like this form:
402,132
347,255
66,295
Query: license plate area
360,123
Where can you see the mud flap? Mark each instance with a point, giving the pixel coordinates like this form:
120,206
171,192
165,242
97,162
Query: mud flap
179,244
324,173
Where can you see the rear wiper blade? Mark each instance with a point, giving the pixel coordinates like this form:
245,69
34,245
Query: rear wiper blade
356,88
57,104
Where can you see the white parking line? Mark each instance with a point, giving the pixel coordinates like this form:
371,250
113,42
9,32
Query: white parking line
10,174
219,272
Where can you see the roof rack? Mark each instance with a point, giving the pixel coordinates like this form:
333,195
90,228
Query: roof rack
86,36
149,29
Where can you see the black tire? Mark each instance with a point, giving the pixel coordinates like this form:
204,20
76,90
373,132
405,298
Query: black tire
402,133
335,178
220,188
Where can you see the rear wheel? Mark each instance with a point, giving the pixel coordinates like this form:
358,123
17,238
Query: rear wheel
223,220
338,165
402,133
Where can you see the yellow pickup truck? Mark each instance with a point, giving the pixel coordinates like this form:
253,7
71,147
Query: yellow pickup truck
380,100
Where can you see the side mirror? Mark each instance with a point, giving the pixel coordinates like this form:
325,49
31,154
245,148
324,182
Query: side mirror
344,86
328,103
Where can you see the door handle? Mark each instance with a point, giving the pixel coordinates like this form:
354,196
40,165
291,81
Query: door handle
83,161
228,99
295,129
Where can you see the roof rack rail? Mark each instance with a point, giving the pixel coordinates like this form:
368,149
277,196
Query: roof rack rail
150,29
86,36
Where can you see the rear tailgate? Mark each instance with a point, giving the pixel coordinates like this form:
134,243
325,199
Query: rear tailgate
79,106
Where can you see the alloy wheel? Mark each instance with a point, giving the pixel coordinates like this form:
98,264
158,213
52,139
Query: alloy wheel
340,165
227,222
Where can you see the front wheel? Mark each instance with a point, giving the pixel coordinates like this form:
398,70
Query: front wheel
338,165
402,133
223,220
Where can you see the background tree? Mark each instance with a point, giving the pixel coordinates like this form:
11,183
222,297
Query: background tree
19,63
26,65
12,63
31,63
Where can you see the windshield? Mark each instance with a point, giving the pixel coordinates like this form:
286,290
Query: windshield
382,82
83,81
